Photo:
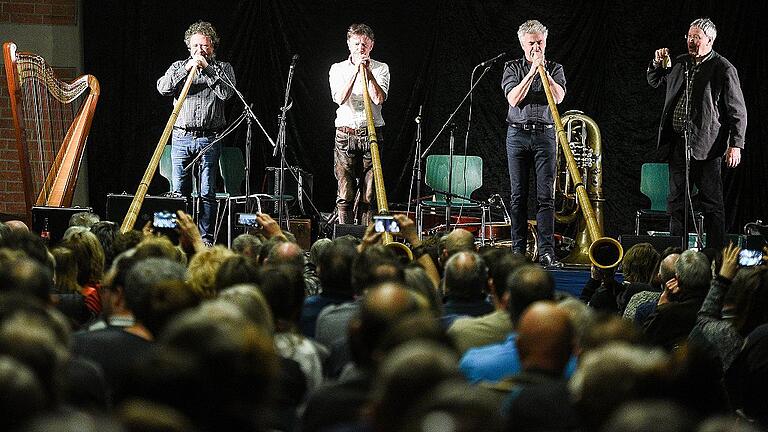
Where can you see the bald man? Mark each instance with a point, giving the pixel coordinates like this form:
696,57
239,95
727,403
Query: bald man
539,397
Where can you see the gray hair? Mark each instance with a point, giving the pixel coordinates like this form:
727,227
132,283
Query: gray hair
707,26
466,275
692,269
532,26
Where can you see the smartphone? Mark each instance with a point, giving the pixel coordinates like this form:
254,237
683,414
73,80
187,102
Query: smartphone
164,220
750,258
247,219
385,223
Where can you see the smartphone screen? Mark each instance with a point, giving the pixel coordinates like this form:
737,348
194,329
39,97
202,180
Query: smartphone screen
750,258
247,219
164,220
385,224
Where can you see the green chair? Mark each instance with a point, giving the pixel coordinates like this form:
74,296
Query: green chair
467,177
654,183
166,168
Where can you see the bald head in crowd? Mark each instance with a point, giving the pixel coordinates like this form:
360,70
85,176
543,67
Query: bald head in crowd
459,240
667,267
17,226
544,337
527,284
286,253
466,276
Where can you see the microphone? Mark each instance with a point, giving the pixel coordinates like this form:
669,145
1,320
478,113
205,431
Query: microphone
418,117
493,60
294,59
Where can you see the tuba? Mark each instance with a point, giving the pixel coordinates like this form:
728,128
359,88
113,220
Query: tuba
603,252
378,175
584,142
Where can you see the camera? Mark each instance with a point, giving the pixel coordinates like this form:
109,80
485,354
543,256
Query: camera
750,258
385,223
247,219
164,220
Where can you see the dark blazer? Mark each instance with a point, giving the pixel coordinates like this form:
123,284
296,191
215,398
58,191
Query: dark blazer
718,112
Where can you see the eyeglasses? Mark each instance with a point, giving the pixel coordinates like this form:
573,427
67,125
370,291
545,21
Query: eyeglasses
695,38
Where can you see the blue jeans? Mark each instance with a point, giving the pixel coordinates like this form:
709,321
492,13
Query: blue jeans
537,149
184,148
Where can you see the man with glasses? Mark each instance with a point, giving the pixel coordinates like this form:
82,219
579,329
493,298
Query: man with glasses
704,98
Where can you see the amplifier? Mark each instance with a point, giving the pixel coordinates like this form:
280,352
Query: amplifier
54,220
658,242
117,207
340,230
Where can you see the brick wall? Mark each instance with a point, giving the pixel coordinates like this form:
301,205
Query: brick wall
41,13
45,12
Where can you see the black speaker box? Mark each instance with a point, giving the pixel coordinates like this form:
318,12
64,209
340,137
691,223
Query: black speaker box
117,207
659,242
340,230
54,220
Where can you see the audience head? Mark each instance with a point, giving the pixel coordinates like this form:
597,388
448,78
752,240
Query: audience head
155,292
201,273
650,416
318,248
639,263
26,242
89,255
126,241
21,394
286,253
383,305
84,219
458,240
417,280
19,273
252,303
159,247
405,375
667,267
747,299
375,264
17,226
65,274
524,286
283,287
334,268
544,337
616,373
106,232
247,245
501,263
692,271
4,230
455,406
607,328
466,277
237,269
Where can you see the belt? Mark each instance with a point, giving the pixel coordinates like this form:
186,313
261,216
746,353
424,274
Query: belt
197,132
352,131
531,126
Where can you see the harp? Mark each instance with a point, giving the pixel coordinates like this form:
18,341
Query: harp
51,119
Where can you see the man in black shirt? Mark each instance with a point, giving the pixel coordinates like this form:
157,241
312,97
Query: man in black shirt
531,138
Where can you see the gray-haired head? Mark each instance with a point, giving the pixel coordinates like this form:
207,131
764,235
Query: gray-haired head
531,26
707,26
692,270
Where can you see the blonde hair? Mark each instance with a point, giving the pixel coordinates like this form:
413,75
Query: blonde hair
202,270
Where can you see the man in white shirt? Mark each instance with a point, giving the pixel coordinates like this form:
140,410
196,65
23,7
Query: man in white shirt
352,155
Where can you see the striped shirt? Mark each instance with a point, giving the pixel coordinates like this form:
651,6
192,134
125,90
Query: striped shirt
204,106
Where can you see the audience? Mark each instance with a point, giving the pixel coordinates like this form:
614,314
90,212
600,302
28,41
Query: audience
347,336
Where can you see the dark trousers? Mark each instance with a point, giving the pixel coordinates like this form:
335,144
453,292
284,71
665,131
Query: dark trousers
705,175
537,149
354,174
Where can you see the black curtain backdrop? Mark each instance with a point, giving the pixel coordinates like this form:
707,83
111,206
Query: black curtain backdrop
431,48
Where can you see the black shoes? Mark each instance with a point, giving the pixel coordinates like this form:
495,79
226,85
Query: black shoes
548,260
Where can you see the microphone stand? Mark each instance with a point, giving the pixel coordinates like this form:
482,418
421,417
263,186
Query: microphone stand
416,169
250,117
688,204
487,64
287,104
